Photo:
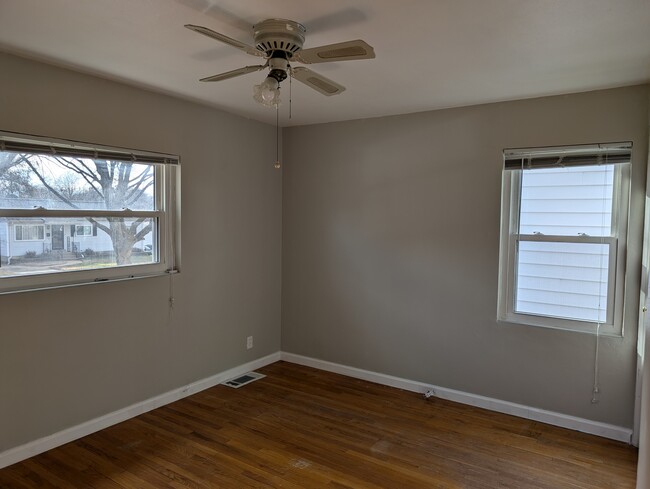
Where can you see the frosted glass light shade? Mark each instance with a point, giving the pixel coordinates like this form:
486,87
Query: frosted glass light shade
268,92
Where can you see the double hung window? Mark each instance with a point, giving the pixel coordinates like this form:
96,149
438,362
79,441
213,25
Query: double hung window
74,213
563,237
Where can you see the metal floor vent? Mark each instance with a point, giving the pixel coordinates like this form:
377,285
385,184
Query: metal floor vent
242,380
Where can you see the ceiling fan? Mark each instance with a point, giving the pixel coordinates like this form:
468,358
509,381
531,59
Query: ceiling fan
279,42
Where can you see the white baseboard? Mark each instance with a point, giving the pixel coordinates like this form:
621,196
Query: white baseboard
41,445
557,419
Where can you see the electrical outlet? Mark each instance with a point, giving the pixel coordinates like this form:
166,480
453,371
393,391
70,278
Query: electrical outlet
249,342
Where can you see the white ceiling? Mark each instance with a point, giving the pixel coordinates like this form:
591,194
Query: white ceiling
430,53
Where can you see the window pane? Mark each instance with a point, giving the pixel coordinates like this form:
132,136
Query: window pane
567,201
110,242
564,280
32,232
25,232
30,181
84,230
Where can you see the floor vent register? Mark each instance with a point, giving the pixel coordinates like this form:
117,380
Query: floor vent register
242,380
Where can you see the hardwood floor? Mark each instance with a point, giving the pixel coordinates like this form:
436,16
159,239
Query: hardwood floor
302,428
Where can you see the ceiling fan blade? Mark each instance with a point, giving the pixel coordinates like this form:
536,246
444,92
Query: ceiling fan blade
231,74
317,82
225,39
334,20
341,51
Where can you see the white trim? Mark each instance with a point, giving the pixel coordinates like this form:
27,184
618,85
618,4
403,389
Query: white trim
643,349
22,452
30,449
165,176
510,238
605,430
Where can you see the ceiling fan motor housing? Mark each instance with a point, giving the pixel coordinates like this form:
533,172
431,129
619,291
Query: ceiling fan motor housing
279,66
273,35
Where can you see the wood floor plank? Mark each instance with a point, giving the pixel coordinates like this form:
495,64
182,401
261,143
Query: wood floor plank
300,428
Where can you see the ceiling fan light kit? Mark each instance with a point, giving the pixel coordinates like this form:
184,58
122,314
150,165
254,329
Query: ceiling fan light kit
280,42
267,93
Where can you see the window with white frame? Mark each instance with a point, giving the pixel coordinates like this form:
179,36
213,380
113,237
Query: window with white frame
31,232
86,230
61,192
563,237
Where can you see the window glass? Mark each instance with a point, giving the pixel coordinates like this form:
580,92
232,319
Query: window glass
67,217
84,230
63,252
29,233
59,182
567,201
564,280
563,237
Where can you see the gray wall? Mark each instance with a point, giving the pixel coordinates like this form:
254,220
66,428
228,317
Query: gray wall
70,355
390,229
391,245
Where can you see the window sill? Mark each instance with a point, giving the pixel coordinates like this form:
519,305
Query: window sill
605,330
96,281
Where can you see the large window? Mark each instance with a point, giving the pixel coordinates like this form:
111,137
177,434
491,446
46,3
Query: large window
563,237
30,232
76,213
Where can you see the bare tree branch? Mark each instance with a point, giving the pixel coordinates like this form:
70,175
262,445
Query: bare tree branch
8,161
99,225
143,232
139,179
86,173
83,170
58,194
134,225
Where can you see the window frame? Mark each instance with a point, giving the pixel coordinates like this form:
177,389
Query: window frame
22,232
617,242
83,234
166,235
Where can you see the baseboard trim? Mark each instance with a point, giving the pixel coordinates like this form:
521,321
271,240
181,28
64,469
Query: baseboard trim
550,417
22,452
30,449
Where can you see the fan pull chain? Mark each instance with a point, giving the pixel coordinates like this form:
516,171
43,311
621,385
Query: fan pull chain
290,77
277,136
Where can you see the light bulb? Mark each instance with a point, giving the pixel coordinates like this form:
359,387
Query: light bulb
269,89
268,92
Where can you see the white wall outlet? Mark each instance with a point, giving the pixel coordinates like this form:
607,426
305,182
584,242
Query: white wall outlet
249,342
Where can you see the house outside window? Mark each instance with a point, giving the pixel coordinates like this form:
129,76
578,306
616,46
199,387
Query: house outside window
563,237
74,213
